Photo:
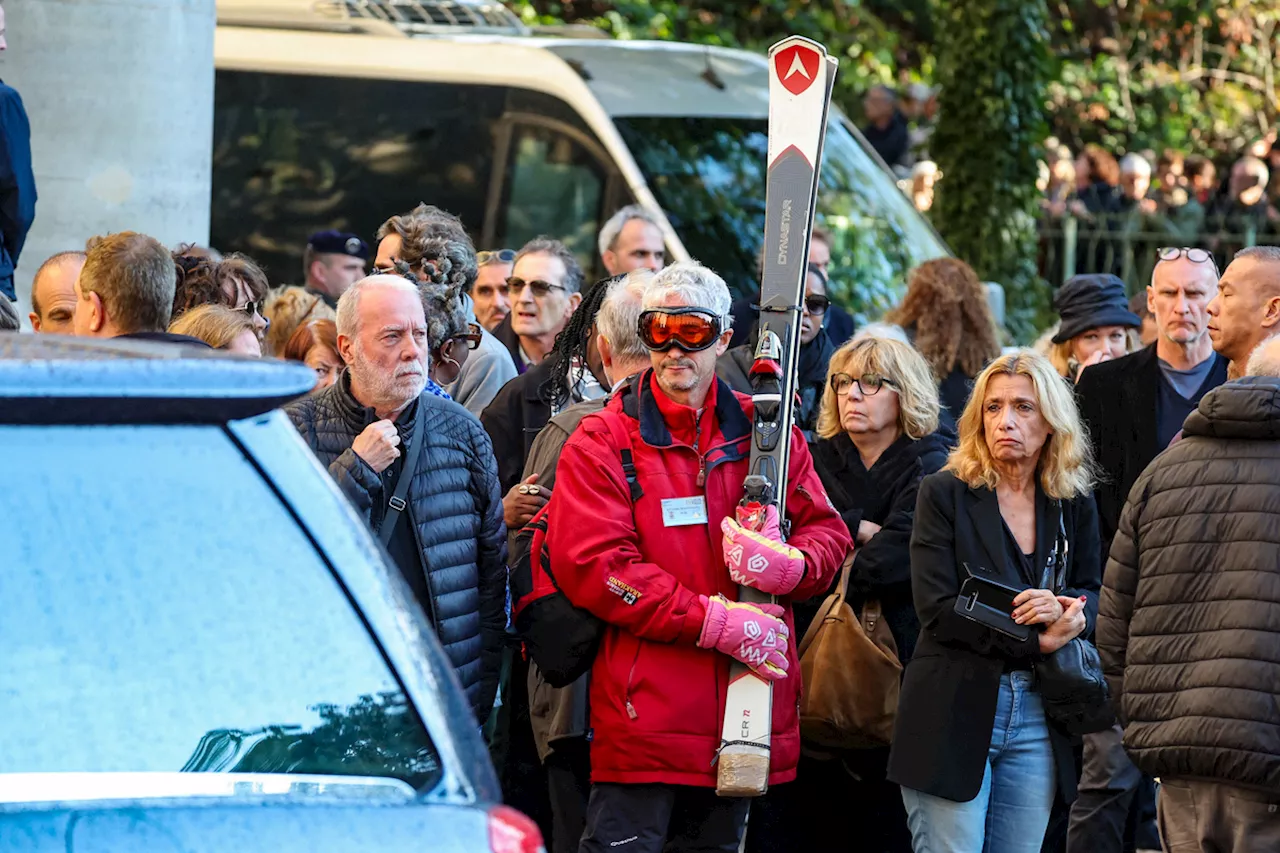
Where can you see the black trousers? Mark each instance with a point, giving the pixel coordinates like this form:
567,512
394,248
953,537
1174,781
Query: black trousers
843,803
521,774
569,787
1112,812
658,818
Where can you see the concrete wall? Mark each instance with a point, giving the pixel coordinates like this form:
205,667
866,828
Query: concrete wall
120,96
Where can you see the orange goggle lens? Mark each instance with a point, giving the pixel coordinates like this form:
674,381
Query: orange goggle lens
692,330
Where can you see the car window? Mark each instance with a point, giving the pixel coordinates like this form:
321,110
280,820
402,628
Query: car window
164,612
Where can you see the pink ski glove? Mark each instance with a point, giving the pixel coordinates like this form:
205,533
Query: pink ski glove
755,635
759,560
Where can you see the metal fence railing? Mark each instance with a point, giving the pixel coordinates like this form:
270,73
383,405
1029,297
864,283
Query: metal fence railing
1070,246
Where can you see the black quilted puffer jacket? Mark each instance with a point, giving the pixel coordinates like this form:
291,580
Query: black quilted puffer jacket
456,510
1189,621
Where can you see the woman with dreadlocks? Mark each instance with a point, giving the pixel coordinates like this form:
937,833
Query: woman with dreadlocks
439,271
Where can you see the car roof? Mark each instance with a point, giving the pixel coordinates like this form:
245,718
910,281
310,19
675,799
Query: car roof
54,379
657,78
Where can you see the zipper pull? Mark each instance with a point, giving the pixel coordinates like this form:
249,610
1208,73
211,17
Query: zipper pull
631,711
702,471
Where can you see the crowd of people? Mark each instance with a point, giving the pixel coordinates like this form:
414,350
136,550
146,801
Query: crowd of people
466,401
1169,194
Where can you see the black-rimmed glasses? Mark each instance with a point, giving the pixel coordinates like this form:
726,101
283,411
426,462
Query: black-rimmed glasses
1196,256
869,384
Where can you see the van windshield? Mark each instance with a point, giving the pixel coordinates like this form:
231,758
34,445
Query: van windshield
709,176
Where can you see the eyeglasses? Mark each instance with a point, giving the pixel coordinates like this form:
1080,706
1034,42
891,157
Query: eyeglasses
869,384
816,303
502,256
539,288
252,308
1196,256
471,338
690,329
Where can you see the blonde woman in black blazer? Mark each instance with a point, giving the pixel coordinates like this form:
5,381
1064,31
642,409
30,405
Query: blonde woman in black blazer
978,762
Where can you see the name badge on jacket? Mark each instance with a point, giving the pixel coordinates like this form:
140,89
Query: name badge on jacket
681,512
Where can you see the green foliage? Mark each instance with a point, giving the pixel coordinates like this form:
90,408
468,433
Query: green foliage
870,50
993,63
1193,75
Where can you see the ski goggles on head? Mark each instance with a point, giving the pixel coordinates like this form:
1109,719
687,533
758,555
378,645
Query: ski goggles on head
690,329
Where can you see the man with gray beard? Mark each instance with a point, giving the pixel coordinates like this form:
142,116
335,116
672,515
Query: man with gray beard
364,429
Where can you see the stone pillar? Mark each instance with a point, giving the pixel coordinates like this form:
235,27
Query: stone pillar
120,97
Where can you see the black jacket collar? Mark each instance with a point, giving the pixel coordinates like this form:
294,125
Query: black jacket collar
358,416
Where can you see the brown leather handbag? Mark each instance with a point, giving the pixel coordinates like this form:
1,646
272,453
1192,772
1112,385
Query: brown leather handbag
851,675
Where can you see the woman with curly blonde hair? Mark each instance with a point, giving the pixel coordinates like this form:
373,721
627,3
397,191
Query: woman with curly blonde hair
288,308
946,315
979,755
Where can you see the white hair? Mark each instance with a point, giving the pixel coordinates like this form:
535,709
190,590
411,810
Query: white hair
611,229
1135,164
618,319
1265,360
696,285
349,302
882,331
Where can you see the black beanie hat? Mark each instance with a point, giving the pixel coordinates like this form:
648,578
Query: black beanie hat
1088,301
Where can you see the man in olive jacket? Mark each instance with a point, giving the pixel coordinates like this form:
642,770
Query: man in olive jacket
1188,629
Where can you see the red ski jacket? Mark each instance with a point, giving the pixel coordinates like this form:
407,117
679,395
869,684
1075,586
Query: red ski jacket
657,700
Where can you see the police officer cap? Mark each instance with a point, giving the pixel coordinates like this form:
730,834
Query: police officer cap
339,243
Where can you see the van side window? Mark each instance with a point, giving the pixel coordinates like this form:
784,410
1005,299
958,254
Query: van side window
295,154
554,185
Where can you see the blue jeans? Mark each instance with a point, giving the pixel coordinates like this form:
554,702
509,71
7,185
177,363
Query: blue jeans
1011,811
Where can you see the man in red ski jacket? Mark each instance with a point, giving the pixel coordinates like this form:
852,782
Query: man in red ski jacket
654,568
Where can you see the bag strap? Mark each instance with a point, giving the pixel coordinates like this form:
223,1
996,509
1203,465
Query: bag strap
622,438
871,614
829,606
398,503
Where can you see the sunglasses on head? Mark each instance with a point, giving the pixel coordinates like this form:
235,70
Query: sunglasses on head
471,337
539,288
1196,256
690,329
501,256
869,384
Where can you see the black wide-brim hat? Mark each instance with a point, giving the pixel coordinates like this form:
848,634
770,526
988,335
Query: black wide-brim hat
1086,302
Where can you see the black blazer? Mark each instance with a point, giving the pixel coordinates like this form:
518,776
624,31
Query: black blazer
950,689
1117,401
514,419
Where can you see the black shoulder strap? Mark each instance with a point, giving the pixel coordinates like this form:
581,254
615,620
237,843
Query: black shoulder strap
398,503
623,439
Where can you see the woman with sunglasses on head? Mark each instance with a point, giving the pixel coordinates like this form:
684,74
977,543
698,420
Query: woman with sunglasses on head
734,367
1095,324
234,281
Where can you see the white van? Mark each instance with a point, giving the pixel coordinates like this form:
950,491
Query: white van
338,113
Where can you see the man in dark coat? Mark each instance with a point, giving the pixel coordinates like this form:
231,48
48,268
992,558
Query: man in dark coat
734,367
1187,629
1133,407
450,544
886,128
17,182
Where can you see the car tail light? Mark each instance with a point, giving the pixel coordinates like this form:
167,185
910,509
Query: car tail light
512,832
